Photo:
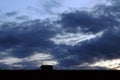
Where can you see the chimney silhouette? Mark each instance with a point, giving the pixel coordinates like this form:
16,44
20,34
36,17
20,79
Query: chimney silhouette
46,67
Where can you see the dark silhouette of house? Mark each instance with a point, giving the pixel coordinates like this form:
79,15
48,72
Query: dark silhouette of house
46,67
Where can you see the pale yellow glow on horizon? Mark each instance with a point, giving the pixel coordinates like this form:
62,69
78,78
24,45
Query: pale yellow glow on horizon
110,64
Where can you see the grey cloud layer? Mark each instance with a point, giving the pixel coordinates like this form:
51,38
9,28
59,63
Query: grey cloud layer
26,37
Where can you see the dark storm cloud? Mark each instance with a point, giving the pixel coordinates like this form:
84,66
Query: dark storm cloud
26,37
101,18
87,21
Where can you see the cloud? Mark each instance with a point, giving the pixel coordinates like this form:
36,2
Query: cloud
109,64
86,21
22,17
10,61
72,39
77,37
27,37
9,14
30,62
105,18
105,47
48,6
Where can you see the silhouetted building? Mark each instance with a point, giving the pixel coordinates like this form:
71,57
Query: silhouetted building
47,67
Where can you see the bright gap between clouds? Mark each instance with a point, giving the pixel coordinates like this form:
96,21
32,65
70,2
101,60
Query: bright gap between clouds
37,59
113,64
72,39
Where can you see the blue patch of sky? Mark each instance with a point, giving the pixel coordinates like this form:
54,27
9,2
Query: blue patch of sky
40,9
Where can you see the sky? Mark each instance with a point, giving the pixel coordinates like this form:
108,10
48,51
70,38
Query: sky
43,9
68,34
